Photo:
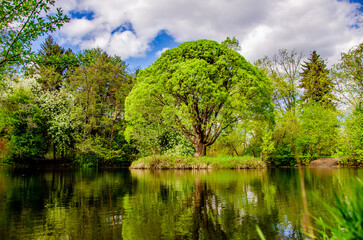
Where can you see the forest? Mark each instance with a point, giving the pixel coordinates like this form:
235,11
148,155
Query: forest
201,98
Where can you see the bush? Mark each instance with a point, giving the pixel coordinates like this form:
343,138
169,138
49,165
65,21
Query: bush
87,160
283,156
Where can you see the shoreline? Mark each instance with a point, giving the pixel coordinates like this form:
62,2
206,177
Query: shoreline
180,163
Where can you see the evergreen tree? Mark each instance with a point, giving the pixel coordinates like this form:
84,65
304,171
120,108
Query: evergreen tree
52,64
317,85
51,49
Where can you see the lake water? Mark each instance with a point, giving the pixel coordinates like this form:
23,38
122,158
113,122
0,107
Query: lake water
168,204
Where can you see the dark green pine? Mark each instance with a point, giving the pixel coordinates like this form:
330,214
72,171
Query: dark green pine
315,81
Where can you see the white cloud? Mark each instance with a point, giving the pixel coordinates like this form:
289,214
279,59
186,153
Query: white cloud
158,53
262,26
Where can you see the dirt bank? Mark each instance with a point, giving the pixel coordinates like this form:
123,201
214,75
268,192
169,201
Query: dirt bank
324,163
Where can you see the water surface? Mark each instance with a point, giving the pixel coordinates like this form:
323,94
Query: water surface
168,204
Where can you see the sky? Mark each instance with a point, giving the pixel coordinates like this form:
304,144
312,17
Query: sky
140,30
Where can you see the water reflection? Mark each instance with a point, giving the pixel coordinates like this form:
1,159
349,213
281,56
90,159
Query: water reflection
139,204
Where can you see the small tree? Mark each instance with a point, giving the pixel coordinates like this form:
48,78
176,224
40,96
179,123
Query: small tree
199,88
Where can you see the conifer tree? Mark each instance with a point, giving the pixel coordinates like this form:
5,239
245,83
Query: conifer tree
52,64
51,49
317,85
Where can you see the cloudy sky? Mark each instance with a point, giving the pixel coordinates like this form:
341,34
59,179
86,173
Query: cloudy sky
139,30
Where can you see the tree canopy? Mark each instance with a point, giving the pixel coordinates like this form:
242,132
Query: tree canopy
199,88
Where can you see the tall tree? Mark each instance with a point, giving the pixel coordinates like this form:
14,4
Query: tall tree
283,69
21,22
100,88
199,88
315,81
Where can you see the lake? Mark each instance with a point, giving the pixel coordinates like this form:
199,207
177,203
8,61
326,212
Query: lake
164,204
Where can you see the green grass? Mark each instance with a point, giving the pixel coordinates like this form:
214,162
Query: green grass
172,162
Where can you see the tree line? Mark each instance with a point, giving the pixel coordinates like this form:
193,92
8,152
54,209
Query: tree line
200,98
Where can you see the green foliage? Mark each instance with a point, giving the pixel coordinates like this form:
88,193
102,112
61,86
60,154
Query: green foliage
257,132
232,43
310,132
351,143
317,85
92,152
21,22
199,88
348,76
175,144
52,64
285,136
283,155
26,124
267,146
63,118
99,88
88,160
231,142
319,130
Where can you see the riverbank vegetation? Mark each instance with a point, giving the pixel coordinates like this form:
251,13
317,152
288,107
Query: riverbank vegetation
173,162
199,99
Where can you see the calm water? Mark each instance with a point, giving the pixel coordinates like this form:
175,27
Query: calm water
138,204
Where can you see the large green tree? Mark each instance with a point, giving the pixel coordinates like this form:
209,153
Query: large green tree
199,88
318,86
21,22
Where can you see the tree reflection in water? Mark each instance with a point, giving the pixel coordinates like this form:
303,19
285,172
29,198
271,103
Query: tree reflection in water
138,204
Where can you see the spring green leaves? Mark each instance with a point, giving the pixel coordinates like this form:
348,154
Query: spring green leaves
199,89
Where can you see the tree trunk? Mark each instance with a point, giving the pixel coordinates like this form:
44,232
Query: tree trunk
113,125
54,151
200,149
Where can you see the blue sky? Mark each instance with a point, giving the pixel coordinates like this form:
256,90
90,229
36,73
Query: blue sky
161,42
139,30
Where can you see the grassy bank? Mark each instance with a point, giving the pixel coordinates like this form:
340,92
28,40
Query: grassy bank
172,162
